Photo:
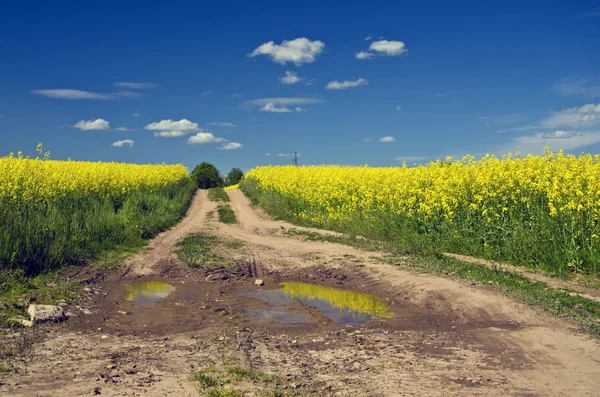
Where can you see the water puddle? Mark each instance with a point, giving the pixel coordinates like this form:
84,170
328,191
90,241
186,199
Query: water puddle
340,306
148,292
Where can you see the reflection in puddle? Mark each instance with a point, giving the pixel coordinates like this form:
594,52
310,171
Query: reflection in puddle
147,292
340,306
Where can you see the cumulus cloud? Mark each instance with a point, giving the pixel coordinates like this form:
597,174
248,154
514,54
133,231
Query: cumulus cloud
336,85
268,154
89,125
124,129
270,107
558,140
170,134
230,146
297,51
136,86
383,48
368,139
290,78
72,94
299,109
222,124
204,137
364,55
123,143
387,139
172,125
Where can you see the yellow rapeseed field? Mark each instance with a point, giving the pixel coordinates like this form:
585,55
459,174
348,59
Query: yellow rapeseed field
554,195
34,180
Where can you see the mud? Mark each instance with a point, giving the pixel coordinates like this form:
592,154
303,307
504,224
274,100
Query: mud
320,325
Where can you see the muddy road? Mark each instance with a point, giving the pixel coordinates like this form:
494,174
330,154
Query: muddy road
329,320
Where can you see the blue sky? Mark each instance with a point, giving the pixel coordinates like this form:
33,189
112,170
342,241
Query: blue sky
340,82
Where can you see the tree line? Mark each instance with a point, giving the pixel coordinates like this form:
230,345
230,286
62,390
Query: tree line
207,176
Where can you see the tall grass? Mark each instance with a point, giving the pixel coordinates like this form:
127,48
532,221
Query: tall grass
36,237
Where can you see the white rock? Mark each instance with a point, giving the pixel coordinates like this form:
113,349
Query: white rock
23,321
259,282
45,313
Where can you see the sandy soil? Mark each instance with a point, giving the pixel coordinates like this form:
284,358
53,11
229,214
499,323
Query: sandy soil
446,337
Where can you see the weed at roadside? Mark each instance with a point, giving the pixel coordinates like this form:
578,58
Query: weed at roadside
218,194
226,214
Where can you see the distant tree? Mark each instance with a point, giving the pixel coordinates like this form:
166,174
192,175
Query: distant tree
234,176
207,176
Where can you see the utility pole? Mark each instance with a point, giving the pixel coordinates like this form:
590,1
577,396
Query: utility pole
295,160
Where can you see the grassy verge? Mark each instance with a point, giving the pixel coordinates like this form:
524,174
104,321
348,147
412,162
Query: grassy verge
218,194
226,214
198,250
584,312
88,232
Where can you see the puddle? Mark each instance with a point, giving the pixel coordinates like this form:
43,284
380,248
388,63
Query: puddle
340,306
147,292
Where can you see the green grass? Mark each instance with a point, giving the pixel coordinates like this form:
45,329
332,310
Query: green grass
223,392
241,373
195,250
218,194
203,379
226,214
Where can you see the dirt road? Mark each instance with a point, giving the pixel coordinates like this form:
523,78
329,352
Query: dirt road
439,337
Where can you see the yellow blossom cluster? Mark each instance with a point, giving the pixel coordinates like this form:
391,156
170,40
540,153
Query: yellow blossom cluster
24,180
491,188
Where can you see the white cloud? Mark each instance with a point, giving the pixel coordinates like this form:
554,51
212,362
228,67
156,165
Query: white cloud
123,143
290,78
387,139
383,48
368,139
135,114
412,159
398,107
205,93
558,140
288,154
171,125
124,129
136,86
268,154
390,48
297,51
573,117
230,146
336,85
221,124
269,107
96,124
577,86
364,55
369,37
204,137
559,135
72,94
236,95
170,134
299,109
283,101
